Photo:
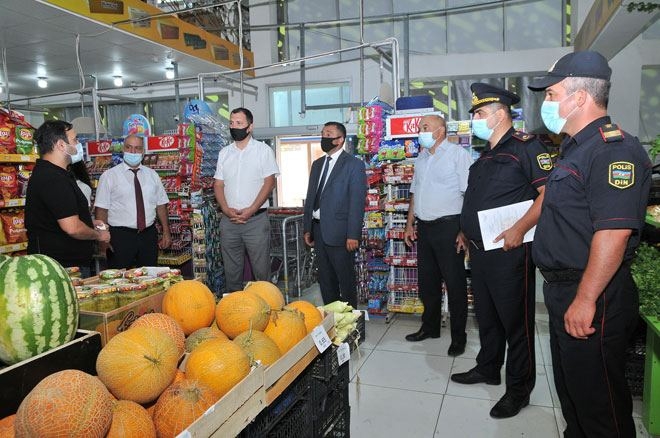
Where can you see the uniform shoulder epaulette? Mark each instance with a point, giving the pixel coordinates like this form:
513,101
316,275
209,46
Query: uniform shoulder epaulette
611,133
522,136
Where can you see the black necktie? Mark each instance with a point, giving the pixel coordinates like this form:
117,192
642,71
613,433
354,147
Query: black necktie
319,189
139,202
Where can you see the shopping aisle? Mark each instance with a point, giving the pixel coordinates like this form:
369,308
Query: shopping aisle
402,389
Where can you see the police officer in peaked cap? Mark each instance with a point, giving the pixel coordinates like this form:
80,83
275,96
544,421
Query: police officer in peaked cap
513,168
589,228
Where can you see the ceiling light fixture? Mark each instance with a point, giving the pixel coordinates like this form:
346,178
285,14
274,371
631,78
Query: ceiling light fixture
118,81
42,82
169,72
1,89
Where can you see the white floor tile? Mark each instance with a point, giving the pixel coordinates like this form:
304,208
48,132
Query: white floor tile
375,329
641,430
415,372
561,423
551,382
638,407
387,412
544,340
465,417
541,394
395,340
407,319
476,391
358,358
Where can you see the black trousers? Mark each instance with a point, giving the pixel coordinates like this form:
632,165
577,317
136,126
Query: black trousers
503,283
590,374
336,270
436,261
131,248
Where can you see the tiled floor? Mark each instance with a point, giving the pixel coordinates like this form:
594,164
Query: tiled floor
402,389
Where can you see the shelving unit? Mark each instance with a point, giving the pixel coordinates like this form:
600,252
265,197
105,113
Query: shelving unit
18,203
13,247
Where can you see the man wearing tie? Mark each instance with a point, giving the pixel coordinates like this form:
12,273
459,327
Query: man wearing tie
334,212
129,197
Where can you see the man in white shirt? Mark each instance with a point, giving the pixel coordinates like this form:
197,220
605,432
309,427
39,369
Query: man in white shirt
129,197
244,179
436,199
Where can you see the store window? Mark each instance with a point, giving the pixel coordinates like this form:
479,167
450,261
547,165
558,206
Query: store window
285,105
649,104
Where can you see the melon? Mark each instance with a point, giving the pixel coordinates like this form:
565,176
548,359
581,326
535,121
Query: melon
268,291
38,307
180,405
191,304
241,311
312,315
7,423
130,420
218,364
286,328
201,335
166,324
68,403
138,364
258,347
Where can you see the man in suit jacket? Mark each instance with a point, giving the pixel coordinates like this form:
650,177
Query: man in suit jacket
334,212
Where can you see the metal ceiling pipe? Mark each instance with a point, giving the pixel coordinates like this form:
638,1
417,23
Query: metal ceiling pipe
362,52
303,99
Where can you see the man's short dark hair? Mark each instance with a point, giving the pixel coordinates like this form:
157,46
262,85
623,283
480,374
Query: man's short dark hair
49,133
247,112
339,126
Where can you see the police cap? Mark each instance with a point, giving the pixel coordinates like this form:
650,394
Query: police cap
584,64
483,94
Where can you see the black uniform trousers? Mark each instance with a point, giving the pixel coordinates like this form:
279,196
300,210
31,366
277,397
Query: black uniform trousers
130,248
590,374
336,270
503,283
437,260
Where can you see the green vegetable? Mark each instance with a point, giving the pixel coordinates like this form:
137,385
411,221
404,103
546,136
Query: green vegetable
646,273
338,307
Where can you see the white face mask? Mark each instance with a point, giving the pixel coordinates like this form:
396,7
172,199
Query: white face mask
78,156
425,139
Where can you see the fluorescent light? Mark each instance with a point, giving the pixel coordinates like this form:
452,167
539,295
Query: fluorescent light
169,73
118,81
42,82
1,89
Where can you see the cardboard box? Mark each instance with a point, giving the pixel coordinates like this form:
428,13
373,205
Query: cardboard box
19,379
120,319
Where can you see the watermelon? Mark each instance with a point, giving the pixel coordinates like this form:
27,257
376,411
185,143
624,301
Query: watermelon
38,307
3,258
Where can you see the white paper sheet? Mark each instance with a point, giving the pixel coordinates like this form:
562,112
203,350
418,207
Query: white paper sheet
495,220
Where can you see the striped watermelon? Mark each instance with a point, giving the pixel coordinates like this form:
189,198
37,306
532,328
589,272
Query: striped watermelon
38,307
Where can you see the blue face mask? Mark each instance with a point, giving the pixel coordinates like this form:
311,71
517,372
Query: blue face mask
78,156
426,140
550,115
480,128
132,159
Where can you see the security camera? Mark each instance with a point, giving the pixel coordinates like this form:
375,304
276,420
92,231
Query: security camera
176,118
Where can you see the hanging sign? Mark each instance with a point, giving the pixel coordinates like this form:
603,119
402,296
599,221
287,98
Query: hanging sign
137,124
96,148
160,143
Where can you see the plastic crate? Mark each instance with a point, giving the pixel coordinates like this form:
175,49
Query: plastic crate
326,365
329,400
295,424
270,417
341,427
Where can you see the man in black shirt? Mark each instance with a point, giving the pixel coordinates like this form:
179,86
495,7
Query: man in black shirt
57,216
513,168
589,228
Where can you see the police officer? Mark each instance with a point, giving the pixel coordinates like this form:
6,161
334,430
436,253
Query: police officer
589,228
513,168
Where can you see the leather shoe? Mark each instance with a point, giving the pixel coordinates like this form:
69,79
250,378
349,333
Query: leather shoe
456,349
509,405
420,335
473,376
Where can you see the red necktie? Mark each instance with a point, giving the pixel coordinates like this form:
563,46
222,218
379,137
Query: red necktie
139,202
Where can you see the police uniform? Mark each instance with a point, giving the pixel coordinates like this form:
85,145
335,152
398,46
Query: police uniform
601,181
503,281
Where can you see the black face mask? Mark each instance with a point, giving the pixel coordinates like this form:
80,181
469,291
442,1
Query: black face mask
238,134
327,145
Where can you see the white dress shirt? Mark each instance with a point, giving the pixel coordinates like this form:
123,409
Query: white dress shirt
116,193
243,172
316,214
440,181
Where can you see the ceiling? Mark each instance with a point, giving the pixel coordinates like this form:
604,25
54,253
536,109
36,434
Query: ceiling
40,40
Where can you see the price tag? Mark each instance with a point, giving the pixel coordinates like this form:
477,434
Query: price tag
343,353
321,338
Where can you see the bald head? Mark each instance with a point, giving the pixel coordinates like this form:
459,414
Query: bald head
134,144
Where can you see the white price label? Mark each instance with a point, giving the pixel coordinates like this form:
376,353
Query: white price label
343,353
321,338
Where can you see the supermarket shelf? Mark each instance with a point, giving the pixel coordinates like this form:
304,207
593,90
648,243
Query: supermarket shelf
4,249
6,203
18,158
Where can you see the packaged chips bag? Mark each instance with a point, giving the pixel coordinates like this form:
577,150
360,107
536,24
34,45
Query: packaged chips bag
8,182
13,227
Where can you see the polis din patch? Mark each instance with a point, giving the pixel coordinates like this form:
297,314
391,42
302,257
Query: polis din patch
621,174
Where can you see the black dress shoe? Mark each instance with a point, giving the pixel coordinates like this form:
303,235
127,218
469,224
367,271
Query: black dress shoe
509,405
456,349
473,376
420,335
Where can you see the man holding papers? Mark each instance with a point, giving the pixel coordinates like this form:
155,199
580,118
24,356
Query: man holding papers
513,168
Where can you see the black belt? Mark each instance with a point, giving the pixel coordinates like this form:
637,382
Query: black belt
316,221
561,275
132,230
440,219
258,212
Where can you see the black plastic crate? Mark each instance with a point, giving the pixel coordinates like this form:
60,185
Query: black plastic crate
326,365
341,427
329,400
297,423
270,417
635,359
361,328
